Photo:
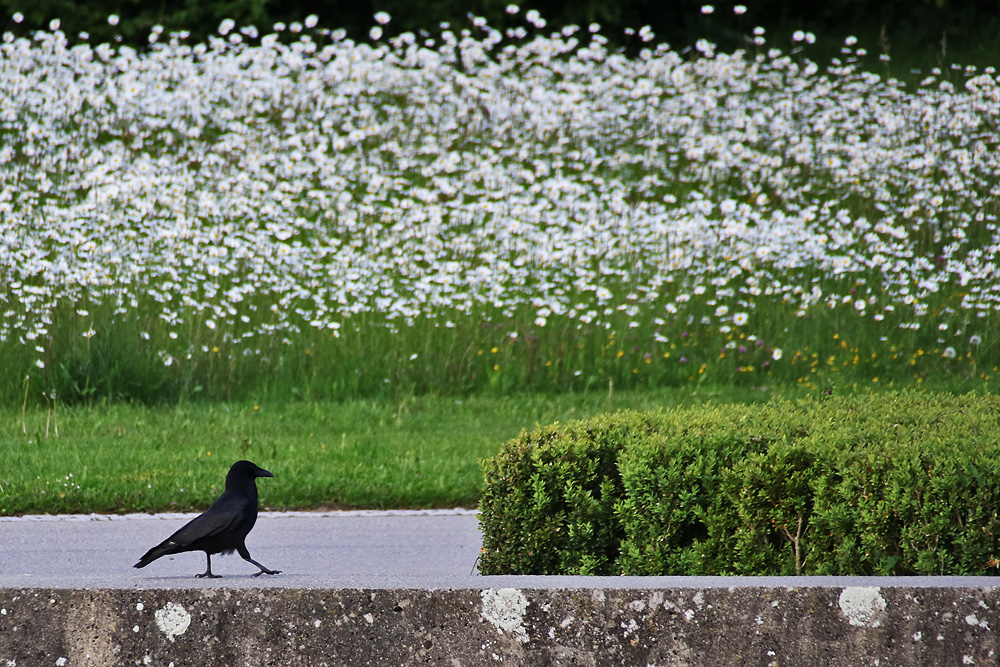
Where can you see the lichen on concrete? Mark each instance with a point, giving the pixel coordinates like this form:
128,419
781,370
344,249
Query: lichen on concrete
505,609
172,619
862,605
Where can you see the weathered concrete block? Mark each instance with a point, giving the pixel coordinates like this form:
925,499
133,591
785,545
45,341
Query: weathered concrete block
830,626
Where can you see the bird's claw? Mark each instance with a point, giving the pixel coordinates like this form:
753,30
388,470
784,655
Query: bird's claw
257,574
208,575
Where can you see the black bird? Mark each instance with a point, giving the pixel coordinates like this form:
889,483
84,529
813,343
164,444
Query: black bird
224,526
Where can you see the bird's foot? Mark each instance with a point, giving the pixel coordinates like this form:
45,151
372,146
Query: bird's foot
267,572
208,575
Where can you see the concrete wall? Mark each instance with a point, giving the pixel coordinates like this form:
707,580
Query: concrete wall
761,625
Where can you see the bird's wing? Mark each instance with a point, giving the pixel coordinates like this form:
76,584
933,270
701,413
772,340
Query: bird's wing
224,515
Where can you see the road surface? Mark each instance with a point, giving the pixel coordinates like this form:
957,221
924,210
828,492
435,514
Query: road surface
334,549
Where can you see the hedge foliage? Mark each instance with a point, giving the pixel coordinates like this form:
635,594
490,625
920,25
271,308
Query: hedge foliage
878,484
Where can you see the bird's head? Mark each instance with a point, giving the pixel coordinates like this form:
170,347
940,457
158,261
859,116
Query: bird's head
246,470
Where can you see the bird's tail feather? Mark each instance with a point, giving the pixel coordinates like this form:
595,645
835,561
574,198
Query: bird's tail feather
154,553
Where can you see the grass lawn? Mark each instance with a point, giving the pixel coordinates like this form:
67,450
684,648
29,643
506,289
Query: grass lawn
423,452
418,453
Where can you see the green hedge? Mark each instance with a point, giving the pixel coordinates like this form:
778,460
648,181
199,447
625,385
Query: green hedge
876,484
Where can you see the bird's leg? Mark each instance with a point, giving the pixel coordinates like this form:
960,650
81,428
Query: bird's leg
245,555
207,574
263,570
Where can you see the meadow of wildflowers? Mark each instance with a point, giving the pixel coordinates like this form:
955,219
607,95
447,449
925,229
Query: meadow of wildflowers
293,213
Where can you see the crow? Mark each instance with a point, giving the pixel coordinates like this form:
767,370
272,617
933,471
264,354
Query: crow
223,527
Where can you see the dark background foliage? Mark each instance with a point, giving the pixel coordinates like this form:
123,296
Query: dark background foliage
679,22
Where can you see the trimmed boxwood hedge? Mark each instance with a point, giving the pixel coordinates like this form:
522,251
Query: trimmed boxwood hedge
902,483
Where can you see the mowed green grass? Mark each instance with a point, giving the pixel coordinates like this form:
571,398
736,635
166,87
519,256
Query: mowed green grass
422,452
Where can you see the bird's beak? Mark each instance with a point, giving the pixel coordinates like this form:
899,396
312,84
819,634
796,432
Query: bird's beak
263,473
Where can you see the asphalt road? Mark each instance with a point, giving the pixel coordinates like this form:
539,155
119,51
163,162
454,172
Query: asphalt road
339,549
355,550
